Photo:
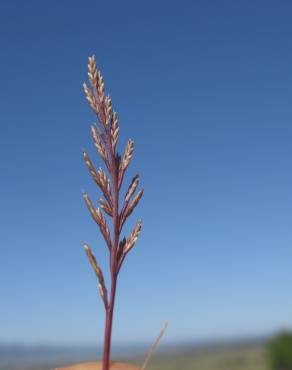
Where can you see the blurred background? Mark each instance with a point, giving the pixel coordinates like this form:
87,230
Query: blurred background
204,88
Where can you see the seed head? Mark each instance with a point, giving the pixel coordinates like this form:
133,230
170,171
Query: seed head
92,72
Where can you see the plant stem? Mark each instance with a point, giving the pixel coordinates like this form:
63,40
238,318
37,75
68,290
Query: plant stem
108,327
113,262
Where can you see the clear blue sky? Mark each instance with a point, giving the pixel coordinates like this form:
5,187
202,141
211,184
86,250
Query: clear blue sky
204,88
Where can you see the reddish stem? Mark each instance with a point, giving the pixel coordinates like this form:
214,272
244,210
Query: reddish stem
108,327
113,262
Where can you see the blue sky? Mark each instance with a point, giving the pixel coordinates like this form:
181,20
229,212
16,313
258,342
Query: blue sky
204,88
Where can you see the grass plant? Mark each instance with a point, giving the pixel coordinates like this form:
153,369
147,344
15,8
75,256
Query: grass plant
114,209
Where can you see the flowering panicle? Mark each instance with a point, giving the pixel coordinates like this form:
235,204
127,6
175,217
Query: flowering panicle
105,136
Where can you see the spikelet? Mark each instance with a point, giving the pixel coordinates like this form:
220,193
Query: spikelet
90,206
92,72
90,98
108,108
99,177
96,80
93,263
114,129
98,272
128,154
103,227
125,161
96,99
98,143
99,219
134,203
100,89
106,207
105,185
132,188
133,237
91,168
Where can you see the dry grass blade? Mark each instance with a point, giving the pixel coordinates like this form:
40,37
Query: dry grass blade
154,347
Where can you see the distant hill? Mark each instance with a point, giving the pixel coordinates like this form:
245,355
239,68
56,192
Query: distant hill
214,355
23,357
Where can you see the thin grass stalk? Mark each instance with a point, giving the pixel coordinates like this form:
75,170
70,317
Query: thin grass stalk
105,136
